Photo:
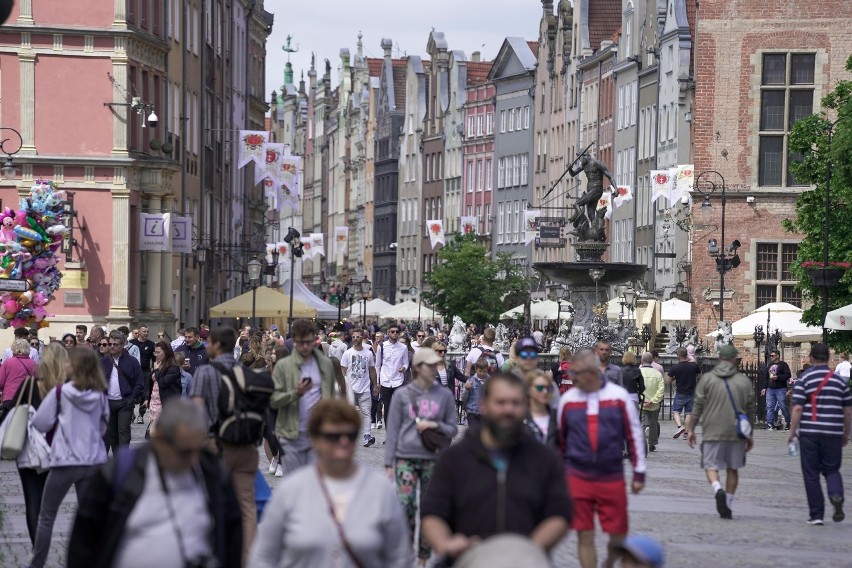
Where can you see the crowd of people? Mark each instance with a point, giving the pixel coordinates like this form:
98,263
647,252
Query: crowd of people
481,450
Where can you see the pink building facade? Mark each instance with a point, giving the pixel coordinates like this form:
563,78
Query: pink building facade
478,169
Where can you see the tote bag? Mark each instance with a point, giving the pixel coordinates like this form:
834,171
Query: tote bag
15,434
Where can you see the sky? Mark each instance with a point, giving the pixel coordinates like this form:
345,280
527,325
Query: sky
326,26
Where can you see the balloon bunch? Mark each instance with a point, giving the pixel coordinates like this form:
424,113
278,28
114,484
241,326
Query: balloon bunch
29,240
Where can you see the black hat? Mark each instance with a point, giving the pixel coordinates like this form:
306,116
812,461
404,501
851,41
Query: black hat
526,344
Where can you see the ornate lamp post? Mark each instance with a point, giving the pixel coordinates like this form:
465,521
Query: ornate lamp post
364,287
254,268
556,293
8,168
758,337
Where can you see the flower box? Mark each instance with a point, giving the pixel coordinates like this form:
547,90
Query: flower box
825,277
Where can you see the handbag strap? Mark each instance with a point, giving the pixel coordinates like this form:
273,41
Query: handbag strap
346,545
815,394
734,404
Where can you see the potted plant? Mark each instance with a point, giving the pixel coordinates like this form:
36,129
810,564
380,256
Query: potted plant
825,275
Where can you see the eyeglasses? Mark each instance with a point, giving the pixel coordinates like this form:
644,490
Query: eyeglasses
420,336
440,351
542,388
393,331
114,344
528,355
33,343
102,345
338,437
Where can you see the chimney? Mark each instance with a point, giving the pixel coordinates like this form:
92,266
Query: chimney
387,46
547,6
475,57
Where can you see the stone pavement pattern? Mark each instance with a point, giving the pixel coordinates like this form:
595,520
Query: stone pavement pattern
676,507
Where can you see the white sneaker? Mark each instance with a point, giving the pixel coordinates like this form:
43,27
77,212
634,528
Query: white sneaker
372,426
379,424
279,472
273,465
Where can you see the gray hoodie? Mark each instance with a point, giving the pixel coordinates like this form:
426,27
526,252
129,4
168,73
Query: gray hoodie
83,418
435,404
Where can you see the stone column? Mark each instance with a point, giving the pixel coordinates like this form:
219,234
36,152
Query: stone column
25,17
153,267
119,113
120,10
27,60
166,267
120,254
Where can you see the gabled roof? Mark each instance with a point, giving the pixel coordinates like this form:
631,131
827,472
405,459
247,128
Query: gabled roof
477,72
374,66
516,47
533,47
604,18
399,83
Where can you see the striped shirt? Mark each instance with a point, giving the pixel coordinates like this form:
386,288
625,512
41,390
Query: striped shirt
827,417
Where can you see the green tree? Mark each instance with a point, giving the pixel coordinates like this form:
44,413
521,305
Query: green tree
467,283
823,141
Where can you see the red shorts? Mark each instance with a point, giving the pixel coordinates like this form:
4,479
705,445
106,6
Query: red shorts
608,498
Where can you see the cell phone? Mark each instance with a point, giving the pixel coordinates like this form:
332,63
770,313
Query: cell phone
306,380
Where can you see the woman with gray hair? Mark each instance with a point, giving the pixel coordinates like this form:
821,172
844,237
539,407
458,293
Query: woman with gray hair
13,372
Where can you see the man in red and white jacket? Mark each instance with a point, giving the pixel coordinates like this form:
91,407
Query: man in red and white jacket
596,419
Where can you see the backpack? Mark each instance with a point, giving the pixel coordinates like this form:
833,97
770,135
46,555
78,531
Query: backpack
490,357
243,401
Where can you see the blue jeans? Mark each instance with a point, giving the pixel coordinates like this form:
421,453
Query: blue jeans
820,454
775,399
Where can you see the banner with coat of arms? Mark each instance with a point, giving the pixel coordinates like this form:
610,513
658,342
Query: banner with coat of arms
531,225
623,194
683,183
661,184
317,244
436,232
253,148
341,241
272,164
469,225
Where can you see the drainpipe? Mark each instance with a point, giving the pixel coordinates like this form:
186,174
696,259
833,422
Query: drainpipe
183,138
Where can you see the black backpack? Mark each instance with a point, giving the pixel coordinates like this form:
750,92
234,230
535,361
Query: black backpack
243,401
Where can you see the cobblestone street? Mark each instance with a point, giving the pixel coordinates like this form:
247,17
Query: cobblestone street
677,508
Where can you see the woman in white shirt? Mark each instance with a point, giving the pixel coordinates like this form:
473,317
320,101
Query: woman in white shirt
336,513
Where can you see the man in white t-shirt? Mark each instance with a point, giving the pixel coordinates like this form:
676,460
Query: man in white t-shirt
488,338
359,366
844,367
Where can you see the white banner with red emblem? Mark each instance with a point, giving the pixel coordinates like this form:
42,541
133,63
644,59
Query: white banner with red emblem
272,165
341,241
661,184
317,244
531,225
683,184
605,203
436,232
623,194
469,225
253,148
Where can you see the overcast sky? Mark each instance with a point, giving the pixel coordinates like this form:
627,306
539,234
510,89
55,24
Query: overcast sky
326,26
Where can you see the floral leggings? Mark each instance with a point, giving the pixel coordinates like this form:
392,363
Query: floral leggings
408,473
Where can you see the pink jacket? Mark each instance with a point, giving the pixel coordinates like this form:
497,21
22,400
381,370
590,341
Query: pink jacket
13,373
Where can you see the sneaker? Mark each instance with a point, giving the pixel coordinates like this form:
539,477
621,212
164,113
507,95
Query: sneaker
140,420
815,522
379,424
273,465
838,515
651,448
369,441
279,471
768,427
372,425
680,431
722,504
787,428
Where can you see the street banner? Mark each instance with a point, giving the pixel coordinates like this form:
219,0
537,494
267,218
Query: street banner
288,174
252,147
469,225
683,184
341,241
605,202
436,232
661,184
283,248
272,164
182,235
270,248
307,247
623,194
531,225
155,231
317,244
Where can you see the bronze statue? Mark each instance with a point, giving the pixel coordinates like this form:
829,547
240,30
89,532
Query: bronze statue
589,223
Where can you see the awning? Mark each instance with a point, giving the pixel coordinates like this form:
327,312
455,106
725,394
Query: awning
676,310
841,318
268,303
409,310
325,311
782,316
374,307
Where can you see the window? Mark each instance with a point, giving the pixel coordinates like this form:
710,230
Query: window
501,173
670,63
479,123
516,170
489,175
502,121
500,210
470,176
196,22
516,221
525,163
470,122
527,117
479,175
633,102
774,282
489,123
541,96
511,120
487,218
620,109
786,95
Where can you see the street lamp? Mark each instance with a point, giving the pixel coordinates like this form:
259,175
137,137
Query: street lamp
9,170
758,337
254,268
364,288
556,293
825,228
726,258
323,289
413,291
296,250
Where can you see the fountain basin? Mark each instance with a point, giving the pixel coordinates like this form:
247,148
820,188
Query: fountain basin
577,273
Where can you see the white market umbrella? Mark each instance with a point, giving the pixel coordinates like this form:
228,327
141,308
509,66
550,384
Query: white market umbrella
548,310
783,316
676,310
374,307
514,313
841,318
409,310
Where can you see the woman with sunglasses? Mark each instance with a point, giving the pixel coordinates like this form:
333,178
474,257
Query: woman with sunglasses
541,417
103,347
79,411
69,341
448,374
166,383
336,513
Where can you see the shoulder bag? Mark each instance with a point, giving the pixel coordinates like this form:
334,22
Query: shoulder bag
743,422
346,546
15,434
433,439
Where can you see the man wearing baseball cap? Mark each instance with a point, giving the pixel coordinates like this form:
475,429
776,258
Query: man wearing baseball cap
527,351
720,396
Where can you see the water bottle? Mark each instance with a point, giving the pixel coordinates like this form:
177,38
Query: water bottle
793,448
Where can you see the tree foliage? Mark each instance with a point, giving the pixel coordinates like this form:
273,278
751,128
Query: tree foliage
824,143
469,284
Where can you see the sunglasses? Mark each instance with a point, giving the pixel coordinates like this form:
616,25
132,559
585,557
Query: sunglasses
528,355
440,351
542,388
338,437
393,331
33,343
420,336
113,344
102,345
